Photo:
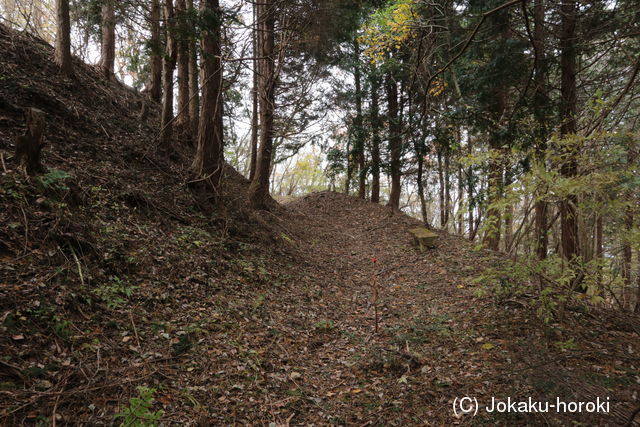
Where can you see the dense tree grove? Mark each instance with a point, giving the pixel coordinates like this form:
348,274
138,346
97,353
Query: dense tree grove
512,123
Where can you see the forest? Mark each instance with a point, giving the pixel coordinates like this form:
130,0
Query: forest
319,212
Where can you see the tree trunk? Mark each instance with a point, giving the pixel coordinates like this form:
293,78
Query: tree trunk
108,41
375,139
208,161
29,145
63,38
568,110
183,120
155,45
168,66
460,215
447,187
254,95
347,184
395,144
541,113
194,73
358,122
470,186
419,149
628,226
443,220
637,307
259,188
508,210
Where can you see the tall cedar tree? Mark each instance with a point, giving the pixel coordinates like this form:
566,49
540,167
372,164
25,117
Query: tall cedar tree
259,188
568,111
254,101
63,37
395,141
182,121
168,67
208,161
495,181
374,80
155,47
108,42
194,73
358,122
540,108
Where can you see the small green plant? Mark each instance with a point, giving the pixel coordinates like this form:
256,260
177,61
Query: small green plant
115,293
55,179
567,345
61,328
324,325
139,412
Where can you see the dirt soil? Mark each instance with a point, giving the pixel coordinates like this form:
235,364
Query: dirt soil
114,275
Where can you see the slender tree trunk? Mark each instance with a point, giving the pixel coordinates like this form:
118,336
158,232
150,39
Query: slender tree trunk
493,218
637,307
460,215
375,139
194,73
254,95
628,226
183,120
419,149
395,144
568,110
168,66
155,78
508,210
63,38
358,122
541,114
599,244
347,184
259,188
208,161
108,42
441,196
447,187
470,186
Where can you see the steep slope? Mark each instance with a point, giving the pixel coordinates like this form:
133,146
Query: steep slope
106,244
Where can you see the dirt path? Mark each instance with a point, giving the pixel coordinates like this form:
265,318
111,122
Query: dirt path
428,346
437,340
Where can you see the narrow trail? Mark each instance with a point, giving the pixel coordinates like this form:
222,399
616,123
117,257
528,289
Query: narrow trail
437,339
429,346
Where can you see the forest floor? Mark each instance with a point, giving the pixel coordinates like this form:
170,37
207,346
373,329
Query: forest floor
114,275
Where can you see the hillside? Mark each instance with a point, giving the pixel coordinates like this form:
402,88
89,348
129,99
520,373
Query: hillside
113,275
